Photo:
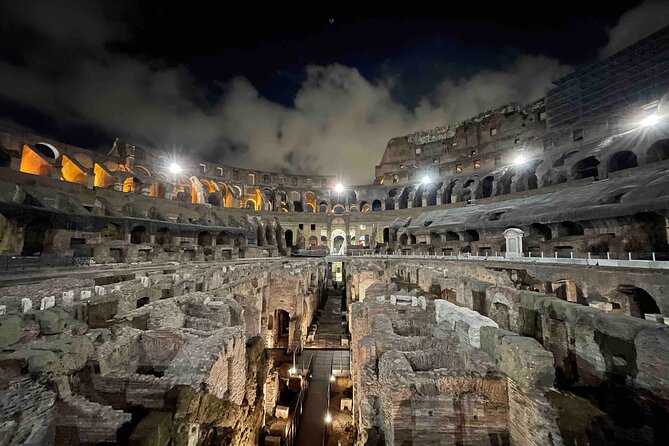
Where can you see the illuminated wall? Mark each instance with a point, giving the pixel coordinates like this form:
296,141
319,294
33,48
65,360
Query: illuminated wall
72,173
33,163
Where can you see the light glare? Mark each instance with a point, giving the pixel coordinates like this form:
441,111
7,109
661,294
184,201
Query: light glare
339,188
650,120
520,159
328,418
292,371
426,179
175,168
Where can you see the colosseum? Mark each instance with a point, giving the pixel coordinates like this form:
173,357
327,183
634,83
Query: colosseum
503,281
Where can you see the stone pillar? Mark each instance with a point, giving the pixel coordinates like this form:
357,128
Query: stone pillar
514,242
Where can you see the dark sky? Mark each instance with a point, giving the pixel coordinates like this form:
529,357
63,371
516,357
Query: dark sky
293,90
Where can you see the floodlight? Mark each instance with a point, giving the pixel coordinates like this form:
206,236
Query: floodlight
426,179
520,159
650,120
175,168
339,188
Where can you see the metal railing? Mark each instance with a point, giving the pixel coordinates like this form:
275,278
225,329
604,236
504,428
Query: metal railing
626,260
23,263
291,433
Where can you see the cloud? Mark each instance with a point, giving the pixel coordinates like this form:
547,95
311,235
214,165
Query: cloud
635,24
339,122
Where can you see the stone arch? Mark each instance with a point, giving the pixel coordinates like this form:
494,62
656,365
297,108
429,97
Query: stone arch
112,232
204,238
452,236
310,200
658,151
585,168
37,236
338,241
622,160
139,235
376,205
405,197
570,228
163,237
323,207
288,235
639,300
47,150
504,183
296,199
390,199
223,238
484,189
527,180
448,192
540,230
431,193
338,209
470,235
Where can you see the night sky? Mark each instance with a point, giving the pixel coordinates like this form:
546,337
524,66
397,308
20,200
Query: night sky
306,90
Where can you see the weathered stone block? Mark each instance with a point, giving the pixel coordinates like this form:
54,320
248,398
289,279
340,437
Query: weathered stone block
53,320
10,330
26,305
47,302
281,412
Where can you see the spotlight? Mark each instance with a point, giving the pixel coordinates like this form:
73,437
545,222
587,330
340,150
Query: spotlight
332,378
175,168
650,120
426,179
339,188
328,418
520,159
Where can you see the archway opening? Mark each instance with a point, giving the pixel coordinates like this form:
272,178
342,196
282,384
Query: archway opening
35,236
223,238
485,187
622,160
139,235
586,168
338,244
163,237
470,235
640,302
658,151
282,328
569,228
376,205
289,238
204,238
452,236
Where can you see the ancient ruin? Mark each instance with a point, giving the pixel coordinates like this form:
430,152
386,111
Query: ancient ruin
504,281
